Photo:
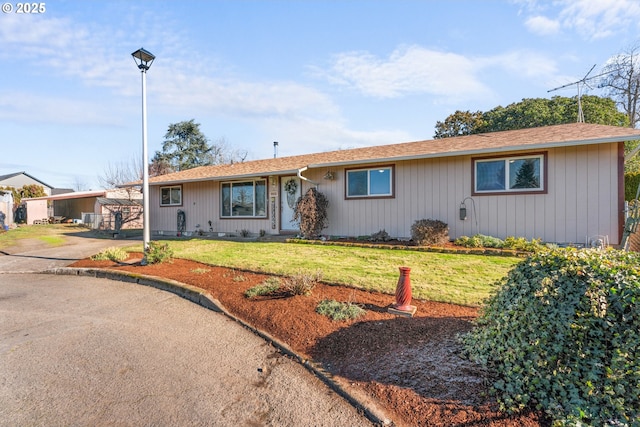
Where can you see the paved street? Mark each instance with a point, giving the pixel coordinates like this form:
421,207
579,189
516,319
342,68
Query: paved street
85,351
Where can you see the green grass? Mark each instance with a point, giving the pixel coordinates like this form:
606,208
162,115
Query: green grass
455,278
460,279
52,234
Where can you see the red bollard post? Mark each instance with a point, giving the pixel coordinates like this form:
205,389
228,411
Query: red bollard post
402,305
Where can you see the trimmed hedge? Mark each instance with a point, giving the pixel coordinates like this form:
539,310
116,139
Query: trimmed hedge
562,335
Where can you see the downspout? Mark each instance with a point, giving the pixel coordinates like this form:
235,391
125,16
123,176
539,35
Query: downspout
304,178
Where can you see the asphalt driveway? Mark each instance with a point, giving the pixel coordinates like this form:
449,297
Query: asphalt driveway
78,350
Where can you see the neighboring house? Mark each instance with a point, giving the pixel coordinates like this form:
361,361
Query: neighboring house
97,209
20,179
561,184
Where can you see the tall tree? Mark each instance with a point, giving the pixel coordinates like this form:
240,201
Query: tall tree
460,123
622,82
185,147
532,112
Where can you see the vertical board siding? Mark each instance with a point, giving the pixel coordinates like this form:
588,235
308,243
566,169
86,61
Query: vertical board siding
581,201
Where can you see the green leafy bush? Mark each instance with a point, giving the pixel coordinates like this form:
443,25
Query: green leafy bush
429,232
111,254
268,287
561,335
479,241
515,243
522,244
158,252
339,311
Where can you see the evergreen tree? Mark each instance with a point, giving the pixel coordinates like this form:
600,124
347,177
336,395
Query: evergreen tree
185,147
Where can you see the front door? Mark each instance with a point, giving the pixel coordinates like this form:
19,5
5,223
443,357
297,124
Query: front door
290,191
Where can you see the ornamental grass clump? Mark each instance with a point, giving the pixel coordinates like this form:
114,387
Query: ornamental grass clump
301,283
115,254
561,336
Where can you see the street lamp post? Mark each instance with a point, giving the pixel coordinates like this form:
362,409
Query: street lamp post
143,60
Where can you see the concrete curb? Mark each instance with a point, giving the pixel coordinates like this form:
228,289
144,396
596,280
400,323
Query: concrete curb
198,296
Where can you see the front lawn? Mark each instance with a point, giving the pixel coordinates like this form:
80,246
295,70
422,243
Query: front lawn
454,278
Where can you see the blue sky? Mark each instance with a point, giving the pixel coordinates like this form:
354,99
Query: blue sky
313,75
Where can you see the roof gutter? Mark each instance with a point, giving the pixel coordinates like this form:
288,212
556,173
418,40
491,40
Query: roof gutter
304,178
481,151
225,177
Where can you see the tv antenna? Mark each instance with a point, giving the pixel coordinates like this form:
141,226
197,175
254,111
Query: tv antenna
580,83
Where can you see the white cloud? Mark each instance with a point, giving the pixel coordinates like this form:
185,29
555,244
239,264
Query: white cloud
29,108
303,135
408,70
527,64
449,77
244,98
596,19
591,19
542,25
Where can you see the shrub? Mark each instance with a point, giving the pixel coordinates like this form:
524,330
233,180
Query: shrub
522,244
244,233
380,236
301,283
311,212
561,336
479,241
268,287
158,252
429,232
515,243
339,310
112,254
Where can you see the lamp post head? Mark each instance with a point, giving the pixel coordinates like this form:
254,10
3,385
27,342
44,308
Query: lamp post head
143,58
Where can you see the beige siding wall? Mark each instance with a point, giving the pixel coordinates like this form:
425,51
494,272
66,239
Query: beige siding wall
581,201
201,204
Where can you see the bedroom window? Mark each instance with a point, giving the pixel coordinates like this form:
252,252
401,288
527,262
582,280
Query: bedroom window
244,199
171,196
372,182
521,174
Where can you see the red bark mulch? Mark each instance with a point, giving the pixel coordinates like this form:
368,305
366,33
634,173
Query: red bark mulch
410,367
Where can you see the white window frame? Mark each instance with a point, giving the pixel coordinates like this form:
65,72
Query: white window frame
508,161
171,188
369,170
254,195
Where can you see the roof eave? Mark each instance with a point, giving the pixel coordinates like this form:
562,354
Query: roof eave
480,151
226,177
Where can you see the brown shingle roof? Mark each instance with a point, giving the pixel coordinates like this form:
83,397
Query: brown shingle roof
495,142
